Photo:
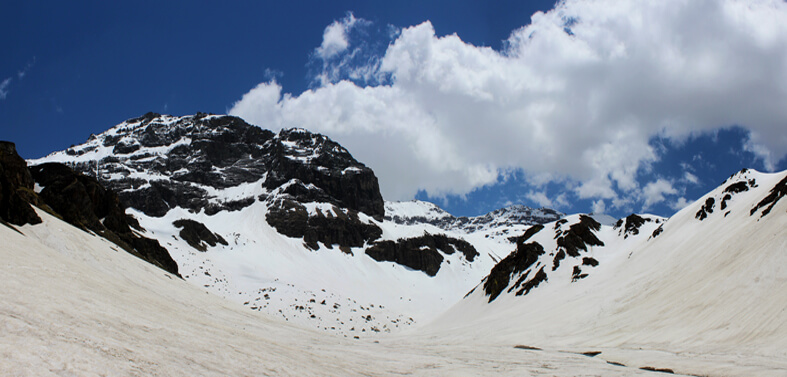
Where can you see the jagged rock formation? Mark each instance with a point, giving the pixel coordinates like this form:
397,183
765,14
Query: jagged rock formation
158,163
83,202
16,188
75,198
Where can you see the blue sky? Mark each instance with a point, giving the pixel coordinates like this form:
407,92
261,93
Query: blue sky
590,106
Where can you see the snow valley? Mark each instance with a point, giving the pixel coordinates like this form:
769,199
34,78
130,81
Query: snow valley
292,263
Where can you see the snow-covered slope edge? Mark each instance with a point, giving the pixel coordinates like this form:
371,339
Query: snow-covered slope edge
75,304
702,294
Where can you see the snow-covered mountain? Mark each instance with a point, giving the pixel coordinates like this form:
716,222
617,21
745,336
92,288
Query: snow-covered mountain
291,224
692,293
700,293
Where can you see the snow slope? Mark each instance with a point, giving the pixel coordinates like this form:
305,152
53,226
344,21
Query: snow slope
75,305
327,289
705,296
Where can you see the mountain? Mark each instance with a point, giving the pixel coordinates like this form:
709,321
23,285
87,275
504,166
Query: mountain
692,293
272,220
75,304
264,219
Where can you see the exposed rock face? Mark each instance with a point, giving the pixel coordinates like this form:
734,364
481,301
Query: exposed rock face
579,236
198,235
157,163
766,204
314,159
85,203
525,255
421,253
336,226
16,188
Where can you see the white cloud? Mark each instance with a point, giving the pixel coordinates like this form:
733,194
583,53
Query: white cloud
539,198
580,105
679,204
599,206
654,192
4,88
334,38
690,178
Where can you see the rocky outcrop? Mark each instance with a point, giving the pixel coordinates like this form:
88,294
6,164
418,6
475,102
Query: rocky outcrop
16,188
421,253
579,236
766,204
314,159
83,202
198,235
525,255
334,227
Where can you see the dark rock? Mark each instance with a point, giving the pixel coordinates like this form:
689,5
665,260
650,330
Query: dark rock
530,232
525,255
589,261
661,370
658,231
421,253
577,274
540,277
428,261
561,254
706,209
579,236
16,188
198,235
630,225
317,160
777,192
341,227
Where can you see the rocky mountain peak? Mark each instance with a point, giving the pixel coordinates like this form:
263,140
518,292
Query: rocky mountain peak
159,162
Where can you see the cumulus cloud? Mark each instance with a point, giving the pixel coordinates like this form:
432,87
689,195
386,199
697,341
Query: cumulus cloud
654,192
577,94
679,204
540,198
599,206
334,38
